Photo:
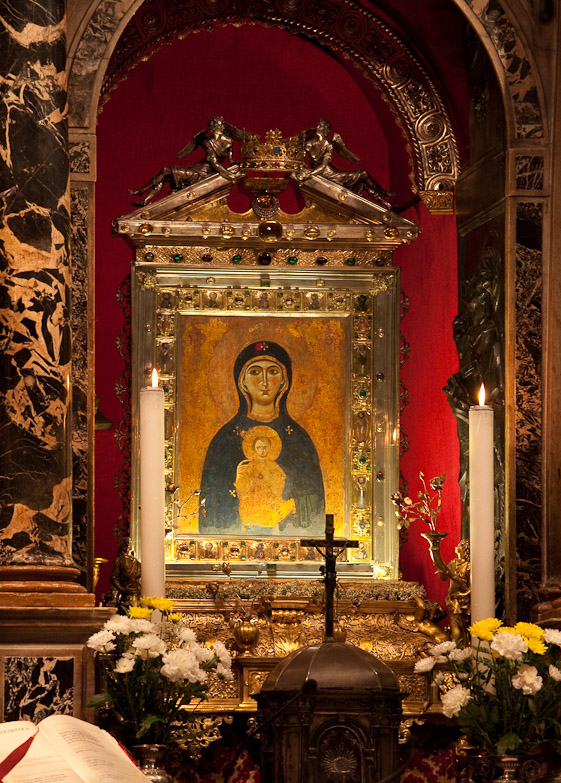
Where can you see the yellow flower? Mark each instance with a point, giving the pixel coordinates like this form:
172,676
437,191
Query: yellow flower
529,630
509,629
484,629
536,645
163,604
175,617
139,612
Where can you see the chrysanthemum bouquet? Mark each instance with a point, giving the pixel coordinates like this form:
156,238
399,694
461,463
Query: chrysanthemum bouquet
151,672
504,690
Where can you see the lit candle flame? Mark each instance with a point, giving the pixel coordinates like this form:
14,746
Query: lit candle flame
154,377
481,394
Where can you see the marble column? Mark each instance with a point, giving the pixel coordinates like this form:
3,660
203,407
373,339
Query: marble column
36,564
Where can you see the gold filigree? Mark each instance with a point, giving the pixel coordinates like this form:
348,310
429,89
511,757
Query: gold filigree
147,279
207,730
280,256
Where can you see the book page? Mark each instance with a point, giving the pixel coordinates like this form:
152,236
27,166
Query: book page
41,763
13,733
92,753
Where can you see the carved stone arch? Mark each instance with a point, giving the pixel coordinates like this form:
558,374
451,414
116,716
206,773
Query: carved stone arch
513,64
346,28
428,124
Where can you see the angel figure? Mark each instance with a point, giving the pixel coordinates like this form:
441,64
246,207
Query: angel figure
320,151
218,146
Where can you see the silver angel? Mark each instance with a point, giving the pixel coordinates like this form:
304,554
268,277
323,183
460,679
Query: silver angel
320,150
218,145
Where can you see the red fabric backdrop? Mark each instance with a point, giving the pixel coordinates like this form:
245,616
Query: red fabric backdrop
261,78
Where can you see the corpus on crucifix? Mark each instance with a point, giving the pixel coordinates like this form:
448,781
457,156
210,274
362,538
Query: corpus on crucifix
329,548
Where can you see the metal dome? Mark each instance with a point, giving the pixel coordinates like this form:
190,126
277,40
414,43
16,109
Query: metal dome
332,665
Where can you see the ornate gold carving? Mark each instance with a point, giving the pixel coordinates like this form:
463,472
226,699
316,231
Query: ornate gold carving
256,680
438,202
286,627
207,730
246,256
274,154
414,685
146,279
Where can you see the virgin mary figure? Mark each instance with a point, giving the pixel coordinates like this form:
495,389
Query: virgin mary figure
263,377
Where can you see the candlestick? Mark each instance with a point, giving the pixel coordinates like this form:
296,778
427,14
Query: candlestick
152,489
481,510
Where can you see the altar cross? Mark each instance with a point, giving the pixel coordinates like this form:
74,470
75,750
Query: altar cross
332,548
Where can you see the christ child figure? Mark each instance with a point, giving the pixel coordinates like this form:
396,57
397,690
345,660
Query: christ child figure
260,480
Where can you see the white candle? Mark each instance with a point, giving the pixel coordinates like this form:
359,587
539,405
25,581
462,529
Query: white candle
152,489
481,510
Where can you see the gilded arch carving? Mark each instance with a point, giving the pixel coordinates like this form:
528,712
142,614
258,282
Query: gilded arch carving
346,28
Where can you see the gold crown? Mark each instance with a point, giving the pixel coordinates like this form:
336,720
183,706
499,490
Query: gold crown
274,154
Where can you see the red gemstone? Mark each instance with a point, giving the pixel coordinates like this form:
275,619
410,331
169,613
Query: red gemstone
264,258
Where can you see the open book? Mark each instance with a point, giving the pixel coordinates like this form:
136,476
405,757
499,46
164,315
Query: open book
65,750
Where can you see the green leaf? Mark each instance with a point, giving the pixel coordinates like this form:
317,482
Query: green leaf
101,700
147,722
509,742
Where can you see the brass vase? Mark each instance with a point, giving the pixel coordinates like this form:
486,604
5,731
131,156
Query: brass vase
507,769
246,634
537,767
151,759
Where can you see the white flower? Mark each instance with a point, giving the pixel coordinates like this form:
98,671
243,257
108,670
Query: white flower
222,654
182,664
187,635
142,626
425,664
102,641
527,680
509,645
150,643
460,654
454,699
552,636
554,673
438,678
224,672
119,623
442,648
202,654
125,664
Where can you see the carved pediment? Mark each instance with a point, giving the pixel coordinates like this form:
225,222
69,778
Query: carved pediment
341,207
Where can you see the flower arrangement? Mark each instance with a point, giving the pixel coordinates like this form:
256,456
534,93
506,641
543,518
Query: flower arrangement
152,671
504,689
427,508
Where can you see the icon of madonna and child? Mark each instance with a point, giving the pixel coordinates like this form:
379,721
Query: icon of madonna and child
261,473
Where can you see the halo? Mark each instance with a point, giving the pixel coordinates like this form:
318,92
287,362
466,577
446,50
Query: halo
261,431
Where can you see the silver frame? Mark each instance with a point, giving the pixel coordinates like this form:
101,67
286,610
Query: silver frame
159,297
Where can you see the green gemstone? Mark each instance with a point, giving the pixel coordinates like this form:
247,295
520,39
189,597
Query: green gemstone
362,393
178,257
350,261
293,260
362,459
236,259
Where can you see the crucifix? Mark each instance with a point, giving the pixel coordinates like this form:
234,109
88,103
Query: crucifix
332,547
